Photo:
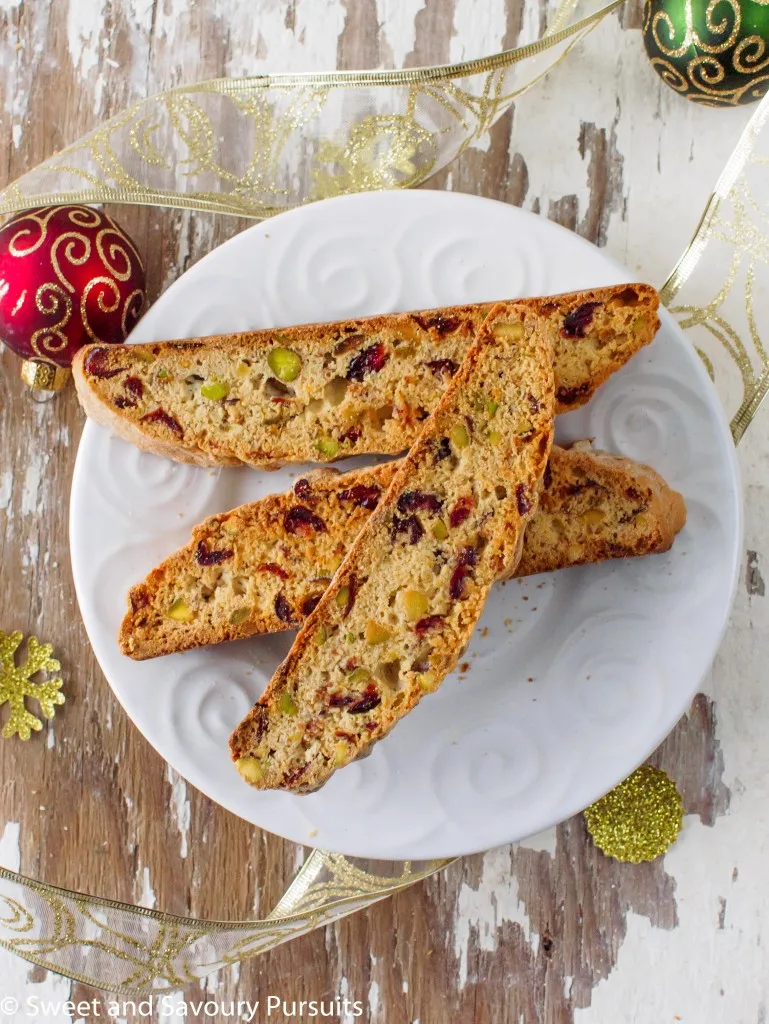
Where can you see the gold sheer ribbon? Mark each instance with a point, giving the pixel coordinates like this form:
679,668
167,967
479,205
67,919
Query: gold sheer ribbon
164,151
254,147
715,286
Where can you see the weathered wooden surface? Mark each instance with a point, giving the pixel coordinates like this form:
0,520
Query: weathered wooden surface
546,931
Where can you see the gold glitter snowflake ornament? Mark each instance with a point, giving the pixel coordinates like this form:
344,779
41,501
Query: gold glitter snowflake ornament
16,684
639,819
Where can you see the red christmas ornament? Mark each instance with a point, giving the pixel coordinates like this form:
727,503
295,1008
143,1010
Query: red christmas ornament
69,276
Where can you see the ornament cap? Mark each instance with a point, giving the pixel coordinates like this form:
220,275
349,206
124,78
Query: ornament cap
44,376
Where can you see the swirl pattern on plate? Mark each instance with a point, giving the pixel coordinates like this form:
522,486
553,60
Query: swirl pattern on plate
605,684
205,699
137,487
349,274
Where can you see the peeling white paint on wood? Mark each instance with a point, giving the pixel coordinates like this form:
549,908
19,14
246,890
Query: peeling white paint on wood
33,481
147,897
6,490
10,848
179,806
482,911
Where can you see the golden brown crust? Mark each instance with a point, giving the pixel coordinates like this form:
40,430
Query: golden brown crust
593,506
361,386
404,602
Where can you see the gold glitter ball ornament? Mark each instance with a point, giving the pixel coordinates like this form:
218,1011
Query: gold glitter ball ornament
639,819
17,684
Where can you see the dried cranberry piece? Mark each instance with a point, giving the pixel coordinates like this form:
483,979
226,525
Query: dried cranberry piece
442,367
442,450
369,700
533,405
632,493
135,386
302,489
442,324
283,401
273,568
352,593
577,322
302,521
461,510
547,479
522,500
568,396
124,403
95,363
342,735
259,720
411,501
468,557
205,556
427,623
283,609
352,434
140,598
296,774
370,360
309,604
340,700
161,416
410,526
363,495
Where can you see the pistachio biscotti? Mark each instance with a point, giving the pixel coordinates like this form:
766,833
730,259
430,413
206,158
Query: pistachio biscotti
403,604
263,567
325,391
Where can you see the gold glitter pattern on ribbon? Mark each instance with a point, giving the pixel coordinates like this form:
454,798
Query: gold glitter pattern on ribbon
639,819
17,684
715,285
131,950
254,147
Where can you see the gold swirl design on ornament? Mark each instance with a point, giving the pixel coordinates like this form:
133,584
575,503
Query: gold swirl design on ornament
750,62
717,27
691,37
756,89
15,246
116,252
132,309
84,217
705,72
671,75
50,298
107,286
69,241
662,17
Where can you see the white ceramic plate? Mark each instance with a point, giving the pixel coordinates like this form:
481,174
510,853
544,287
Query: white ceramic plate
574,677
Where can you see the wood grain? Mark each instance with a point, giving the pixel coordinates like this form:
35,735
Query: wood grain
524,933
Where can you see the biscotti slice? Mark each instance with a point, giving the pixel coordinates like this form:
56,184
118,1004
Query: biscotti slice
325,391
404,602
262,567
594,506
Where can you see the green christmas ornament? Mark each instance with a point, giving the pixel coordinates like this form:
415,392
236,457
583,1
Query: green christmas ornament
711,51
